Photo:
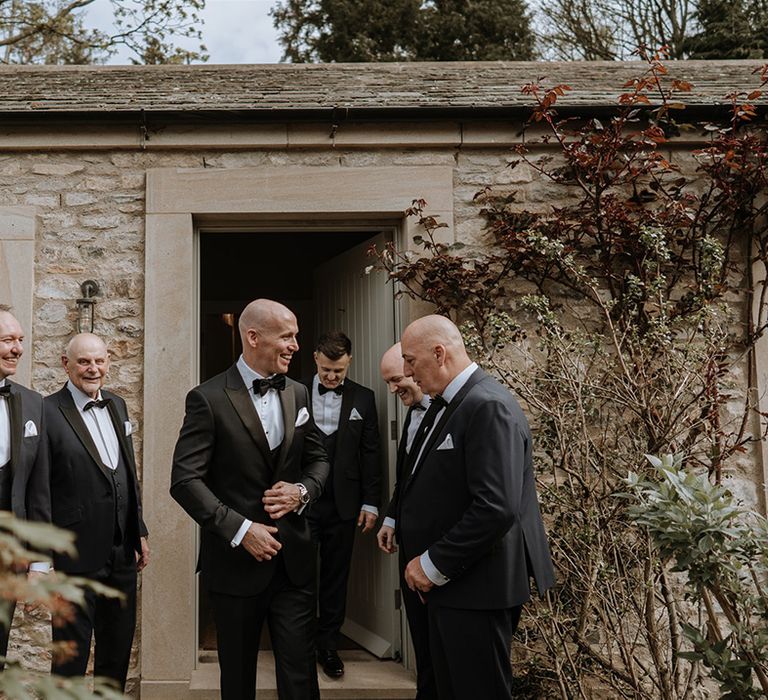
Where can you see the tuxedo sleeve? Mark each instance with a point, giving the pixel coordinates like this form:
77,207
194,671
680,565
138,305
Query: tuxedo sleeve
314,459
191,462
493,454
370,462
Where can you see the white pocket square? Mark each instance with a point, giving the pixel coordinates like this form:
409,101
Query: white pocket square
354,415
446,444
302,418
128,428
30,429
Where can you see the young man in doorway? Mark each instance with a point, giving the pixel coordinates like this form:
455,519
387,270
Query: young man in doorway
345,413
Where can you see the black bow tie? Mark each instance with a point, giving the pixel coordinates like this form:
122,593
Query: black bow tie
419,407
101,403
5,390
262,386
438,402
336,390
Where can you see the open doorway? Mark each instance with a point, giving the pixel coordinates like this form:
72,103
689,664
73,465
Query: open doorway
321,276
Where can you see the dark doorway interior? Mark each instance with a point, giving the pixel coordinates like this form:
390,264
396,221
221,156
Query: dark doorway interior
236,268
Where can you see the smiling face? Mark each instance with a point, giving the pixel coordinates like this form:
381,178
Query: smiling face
271,347
11,347
392,373
330,372
86,363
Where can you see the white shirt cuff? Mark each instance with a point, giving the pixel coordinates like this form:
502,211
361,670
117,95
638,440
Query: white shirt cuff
41,566
238,538
389,522
371,509
431,571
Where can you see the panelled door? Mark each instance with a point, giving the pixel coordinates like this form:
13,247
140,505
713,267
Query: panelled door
362,305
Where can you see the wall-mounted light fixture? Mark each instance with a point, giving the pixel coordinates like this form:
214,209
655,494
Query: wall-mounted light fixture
86,306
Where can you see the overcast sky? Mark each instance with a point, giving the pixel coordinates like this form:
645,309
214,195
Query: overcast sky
234,31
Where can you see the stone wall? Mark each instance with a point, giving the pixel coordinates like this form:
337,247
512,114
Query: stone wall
91,226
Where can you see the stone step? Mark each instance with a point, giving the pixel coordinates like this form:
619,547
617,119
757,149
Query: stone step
365,677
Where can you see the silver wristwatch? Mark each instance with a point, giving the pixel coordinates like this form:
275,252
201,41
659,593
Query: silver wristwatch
303,494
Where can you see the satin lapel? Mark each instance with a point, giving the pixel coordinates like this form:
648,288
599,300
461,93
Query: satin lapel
288,402
119,425
243,404
17,428
474,378
74,418
401,453
347,399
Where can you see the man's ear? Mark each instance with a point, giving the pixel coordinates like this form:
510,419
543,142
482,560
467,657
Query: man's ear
440,355
252,336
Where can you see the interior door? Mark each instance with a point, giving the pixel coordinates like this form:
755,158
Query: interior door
363,306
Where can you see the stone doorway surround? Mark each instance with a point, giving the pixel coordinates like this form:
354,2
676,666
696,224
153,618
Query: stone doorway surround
178,202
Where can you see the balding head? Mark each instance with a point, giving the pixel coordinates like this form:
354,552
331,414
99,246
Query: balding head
392,373
11,343
268,331
86,361
433,353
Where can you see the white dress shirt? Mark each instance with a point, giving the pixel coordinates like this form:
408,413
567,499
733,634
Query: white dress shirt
99,425
326,410
5,431
268,407
449,393
270,412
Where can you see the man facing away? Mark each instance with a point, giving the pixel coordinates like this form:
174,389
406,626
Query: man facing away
95,494
24,488
417,402
247,463
468,520
345,413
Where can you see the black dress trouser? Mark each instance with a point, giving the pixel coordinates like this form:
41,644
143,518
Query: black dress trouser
111,621
289,613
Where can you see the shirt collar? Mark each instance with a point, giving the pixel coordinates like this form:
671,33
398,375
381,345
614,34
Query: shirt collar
80,397
248,374
425,400
2,381
457,382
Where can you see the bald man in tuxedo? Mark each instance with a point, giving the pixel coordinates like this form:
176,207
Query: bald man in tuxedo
247,463
24,488
468,520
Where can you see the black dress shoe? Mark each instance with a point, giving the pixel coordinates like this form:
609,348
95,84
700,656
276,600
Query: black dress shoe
331,663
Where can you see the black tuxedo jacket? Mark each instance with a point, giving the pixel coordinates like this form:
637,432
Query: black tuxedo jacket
471,502
400,478
81,487
221,468
30,492
356,464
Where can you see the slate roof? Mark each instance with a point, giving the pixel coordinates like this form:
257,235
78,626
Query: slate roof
357,87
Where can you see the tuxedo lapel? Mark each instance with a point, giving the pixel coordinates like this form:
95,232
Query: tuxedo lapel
401,453
240,397
347,399
288,403
75,420
119,425
450,409
17,426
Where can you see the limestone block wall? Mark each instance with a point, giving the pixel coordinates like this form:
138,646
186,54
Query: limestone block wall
91,208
